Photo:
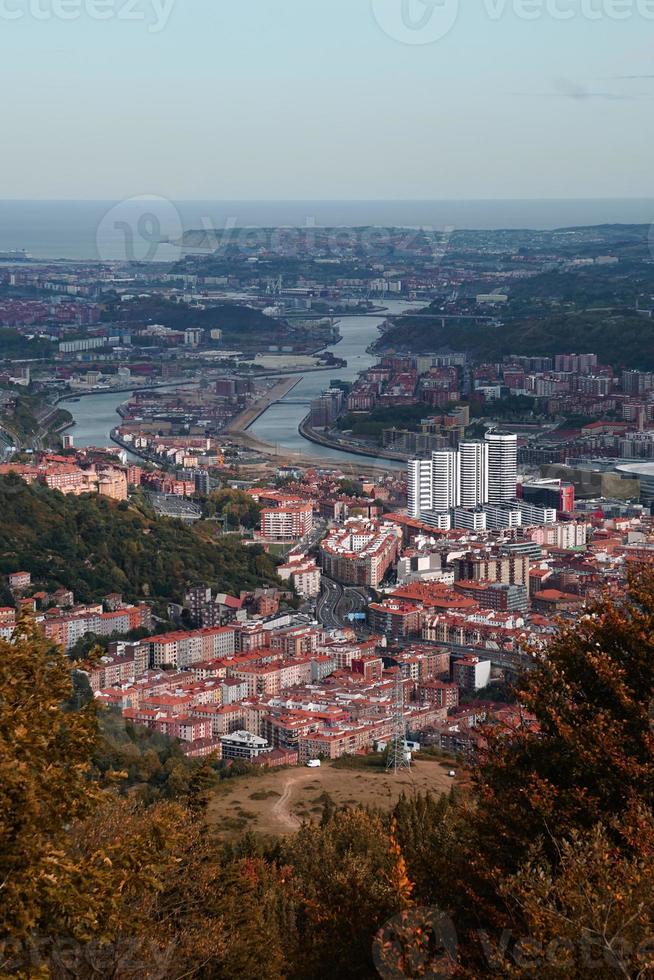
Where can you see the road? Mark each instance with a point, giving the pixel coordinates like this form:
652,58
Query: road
336,601
310,540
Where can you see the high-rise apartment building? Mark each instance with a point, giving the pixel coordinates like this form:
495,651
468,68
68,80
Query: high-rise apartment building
461,477
502,467
474,473
446,479
420,484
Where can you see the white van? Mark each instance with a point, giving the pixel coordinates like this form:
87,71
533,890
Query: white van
313,764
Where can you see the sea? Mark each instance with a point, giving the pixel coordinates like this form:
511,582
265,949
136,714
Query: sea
92,230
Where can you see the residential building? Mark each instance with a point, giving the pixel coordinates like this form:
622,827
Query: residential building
243,745
287,523
419,487
360,552
474,458
502,466
446,480
394,619
471,673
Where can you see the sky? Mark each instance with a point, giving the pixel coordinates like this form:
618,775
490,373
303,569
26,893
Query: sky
326,99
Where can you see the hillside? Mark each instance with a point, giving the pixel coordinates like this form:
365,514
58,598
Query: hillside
234,320
95,546
14,345
619,338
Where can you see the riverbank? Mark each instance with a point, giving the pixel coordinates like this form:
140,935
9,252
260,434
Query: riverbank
242,422
76,395
138,453
238,433
321,439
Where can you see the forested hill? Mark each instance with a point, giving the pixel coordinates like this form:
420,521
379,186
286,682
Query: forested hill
233,319
95,546
620,338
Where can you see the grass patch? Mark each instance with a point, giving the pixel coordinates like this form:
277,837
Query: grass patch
264,794
373,761
246,814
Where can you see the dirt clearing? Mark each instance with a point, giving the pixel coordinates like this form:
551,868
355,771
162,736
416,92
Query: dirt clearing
278,801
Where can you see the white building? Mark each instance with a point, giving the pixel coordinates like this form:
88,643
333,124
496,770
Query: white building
472,520
440,520
536,515
474,473
305,576
471,673
501,516
243,745
502,466
446,480
420,486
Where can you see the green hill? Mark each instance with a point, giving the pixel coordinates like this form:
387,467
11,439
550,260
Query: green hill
234,320
95,546
620,337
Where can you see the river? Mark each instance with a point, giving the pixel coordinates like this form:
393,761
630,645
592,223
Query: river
95,415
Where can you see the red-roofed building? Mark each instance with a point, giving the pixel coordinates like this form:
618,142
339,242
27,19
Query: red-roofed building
394,619
445,694
552,602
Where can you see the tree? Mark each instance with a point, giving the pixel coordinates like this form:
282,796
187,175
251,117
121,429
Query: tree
89,545
237,508
350,877
44,786
588,759
92,884
593,916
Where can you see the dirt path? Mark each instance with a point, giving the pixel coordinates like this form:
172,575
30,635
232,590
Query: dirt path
282,807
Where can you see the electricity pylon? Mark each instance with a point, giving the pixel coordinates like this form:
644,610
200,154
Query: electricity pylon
398,757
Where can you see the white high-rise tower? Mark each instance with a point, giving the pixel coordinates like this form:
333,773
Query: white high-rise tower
420,486
446,479
502,466
474,473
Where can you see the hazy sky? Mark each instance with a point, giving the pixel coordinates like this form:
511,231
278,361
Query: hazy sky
326,98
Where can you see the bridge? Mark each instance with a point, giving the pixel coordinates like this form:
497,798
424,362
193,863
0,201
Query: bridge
386,315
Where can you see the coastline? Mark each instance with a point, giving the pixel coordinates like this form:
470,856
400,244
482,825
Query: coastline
74,396
245,419
130,449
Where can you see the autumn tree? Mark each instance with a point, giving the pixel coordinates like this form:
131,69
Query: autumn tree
45,761
590,916
350,877
587,761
